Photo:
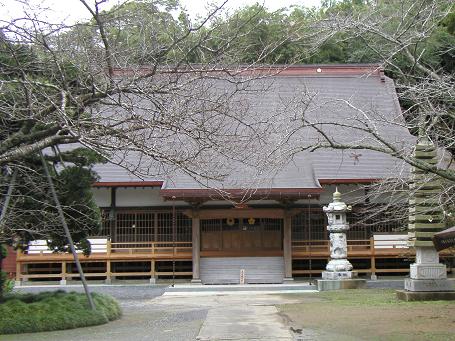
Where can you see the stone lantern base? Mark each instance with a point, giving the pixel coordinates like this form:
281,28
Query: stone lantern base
339,275
428,278
427,274
336,280
339,284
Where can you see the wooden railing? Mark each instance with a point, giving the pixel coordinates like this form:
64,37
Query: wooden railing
377,247
106,253
152,248
102,249
356,248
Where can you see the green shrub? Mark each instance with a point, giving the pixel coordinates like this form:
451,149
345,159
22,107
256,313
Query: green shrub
28,313
8,286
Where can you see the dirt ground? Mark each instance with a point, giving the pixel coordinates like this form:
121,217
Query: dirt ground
369,315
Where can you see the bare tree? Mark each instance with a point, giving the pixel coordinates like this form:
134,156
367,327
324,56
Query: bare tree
396,33
145,89
88,84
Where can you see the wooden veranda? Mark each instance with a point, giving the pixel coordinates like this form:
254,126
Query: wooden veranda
155,259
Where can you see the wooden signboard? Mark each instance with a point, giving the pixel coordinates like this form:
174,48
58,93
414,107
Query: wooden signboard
242,276
444,239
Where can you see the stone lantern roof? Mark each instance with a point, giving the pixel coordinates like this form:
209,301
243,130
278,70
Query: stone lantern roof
336,205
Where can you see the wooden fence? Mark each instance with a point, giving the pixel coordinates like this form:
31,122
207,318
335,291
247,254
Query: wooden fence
379,247
105,254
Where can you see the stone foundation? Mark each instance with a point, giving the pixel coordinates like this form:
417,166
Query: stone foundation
427,285
405,295
427,274
326,285
288,279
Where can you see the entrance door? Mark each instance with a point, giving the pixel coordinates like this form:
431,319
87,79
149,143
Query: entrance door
246,235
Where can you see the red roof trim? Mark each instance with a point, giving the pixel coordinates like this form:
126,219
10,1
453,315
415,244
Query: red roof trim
213,192
129,184
282,70
261,192
347,181
322,70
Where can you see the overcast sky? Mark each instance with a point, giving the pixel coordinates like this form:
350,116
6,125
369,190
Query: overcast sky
73,10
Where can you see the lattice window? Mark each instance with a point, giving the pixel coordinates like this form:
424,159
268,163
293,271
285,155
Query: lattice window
211,225
365,221
309,226
164,227
387,221
184,227
357,228
150,226
106,224
125,227
270,224
143,230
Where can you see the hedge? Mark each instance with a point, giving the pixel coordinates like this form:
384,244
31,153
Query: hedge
29,313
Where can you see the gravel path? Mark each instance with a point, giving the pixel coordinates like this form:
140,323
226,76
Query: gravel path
142,319
150,315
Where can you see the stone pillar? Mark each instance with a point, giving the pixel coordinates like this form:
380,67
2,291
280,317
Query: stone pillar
287,247
425,219
196,243
338,267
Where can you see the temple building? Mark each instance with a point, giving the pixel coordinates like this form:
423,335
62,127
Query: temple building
160,227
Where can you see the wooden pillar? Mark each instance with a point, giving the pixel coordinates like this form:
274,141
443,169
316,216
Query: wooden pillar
63,274
113,215
108,262
196,246
18,273
373,259
108,272
287,246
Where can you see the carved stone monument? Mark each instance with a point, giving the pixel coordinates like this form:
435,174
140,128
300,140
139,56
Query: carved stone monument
338,274
427,275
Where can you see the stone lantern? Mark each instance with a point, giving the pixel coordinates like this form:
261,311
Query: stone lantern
338,267
425,219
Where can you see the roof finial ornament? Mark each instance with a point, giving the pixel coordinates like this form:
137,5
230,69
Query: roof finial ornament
336,195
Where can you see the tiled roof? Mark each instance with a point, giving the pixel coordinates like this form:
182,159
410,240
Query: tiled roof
344,94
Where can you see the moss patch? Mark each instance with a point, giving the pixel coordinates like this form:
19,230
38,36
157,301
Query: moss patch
29,313
372,315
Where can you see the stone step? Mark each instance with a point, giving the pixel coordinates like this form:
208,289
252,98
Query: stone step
297,286
227,270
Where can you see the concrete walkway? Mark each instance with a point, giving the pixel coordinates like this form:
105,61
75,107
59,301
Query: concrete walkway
237,317
210,315
244,322
239,289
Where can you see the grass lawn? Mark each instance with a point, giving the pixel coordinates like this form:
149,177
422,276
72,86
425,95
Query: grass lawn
371,315
28,313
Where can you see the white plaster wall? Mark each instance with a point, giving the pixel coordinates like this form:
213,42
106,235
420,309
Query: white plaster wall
102,196
133,197
251,202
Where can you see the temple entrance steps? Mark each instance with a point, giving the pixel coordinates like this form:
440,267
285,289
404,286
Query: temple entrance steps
228,270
